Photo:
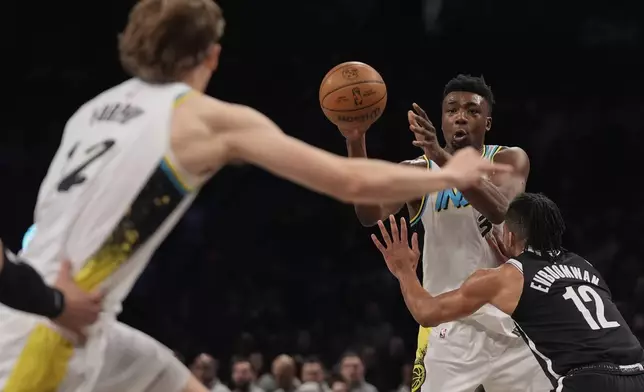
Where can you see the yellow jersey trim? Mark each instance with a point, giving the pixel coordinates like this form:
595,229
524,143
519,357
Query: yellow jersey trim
421,209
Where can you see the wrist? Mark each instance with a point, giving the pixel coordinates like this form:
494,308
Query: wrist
356,141
445,178
405,275
441,156
22,288
58,307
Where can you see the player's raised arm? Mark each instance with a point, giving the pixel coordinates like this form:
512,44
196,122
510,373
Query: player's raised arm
500,287
251,137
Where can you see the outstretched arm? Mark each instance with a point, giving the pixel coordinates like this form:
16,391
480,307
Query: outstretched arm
251,137
500,287
482,287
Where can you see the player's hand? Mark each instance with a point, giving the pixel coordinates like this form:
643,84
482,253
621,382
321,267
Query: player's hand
81,308
467,169
496,244
421,125
396,251
353,131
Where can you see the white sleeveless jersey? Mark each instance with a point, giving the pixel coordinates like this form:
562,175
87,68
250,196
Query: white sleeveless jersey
113,191
455,247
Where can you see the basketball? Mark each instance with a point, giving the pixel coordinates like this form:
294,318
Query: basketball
353,92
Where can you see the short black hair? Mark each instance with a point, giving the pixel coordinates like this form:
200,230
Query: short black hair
535,218
312,359
470,84
237,359
349,354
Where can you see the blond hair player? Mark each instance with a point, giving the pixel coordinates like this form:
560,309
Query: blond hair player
130,163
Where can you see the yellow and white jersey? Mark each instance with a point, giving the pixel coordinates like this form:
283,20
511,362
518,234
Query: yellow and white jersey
111,195
112,192
455,245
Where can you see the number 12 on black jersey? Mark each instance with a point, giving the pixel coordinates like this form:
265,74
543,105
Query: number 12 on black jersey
587,294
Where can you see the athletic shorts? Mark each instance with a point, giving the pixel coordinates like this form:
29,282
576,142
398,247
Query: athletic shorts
461,355
603,378
36,358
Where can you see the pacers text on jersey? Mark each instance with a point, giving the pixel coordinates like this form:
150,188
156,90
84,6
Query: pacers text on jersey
116,112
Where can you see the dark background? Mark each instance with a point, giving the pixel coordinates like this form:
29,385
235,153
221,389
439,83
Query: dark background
259,264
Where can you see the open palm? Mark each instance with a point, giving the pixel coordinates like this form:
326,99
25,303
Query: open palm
396,251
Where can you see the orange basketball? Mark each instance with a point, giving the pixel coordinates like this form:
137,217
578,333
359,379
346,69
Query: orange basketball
353,92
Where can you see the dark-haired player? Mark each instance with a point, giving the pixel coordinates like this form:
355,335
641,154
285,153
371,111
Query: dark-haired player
481,349
561,305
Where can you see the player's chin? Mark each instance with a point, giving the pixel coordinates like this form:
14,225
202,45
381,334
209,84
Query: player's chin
460,144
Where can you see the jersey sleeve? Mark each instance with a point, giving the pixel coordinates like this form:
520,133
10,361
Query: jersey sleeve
515,263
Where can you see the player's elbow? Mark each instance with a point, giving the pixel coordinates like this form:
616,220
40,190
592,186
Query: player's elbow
367,221
427,321
496,217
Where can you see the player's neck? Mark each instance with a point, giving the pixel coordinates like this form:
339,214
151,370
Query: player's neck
197,80
451,150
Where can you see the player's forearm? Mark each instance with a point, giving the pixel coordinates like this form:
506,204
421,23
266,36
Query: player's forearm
488,200
22,288
423,307
368,214
379,182
357,148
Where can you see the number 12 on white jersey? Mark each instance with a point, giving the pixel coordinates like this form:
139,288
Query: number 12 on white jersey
585,294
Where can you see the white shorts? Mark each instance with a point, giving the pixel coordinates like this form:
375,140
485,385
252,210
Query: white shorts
35,358
460,355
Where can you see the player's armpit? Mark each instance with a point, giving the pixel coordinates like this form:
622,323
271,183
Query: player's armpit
482,287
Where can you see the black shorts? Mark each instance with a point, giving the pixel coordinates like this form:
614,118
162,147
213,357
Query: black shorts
603,378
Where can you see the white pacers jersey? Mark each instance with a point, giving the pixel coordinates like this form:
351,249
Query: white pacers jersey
113,191
455,247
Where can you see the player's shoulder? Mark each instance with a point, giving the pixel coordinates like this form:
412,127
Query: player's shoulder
226,116
421,161
513,152
575,259
515,156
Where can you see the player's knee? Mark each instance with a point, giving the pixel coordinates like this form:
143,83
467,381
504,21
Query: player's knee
193,385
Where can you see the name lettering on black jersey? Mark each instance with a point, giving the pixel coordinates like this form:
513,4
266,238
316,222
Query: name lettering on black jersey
567,317
545,277
121,113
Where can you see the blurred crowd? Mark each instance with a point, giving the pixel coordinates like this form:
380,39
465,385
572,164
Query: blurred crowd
291,374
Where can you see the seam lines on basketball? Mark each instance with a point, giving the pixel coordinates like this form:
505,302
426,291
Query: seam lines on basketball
354,110
339,67
350,84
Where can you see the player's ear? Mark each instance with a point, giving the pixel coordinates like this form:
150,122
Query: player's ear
212,59
488,124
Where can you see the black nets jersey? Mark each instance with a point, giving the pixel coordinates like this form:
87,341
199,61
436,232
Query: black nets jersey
567,317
